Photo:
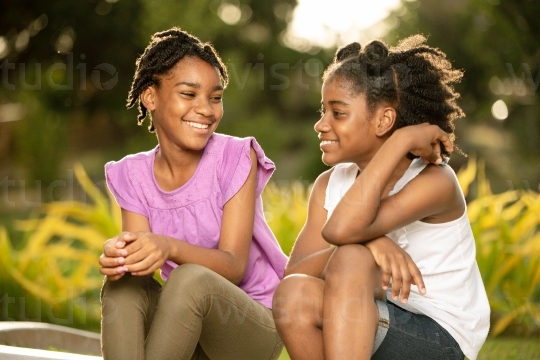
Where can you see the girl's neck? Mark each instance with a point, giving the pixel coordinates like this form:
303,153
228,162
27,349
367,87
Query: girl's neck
173,166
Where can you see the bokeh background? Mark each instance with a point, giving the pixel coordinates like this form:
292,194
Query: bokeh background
66,68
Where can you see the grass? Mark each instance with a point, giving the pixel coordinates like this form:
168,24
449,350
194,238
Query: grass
495,349
510,349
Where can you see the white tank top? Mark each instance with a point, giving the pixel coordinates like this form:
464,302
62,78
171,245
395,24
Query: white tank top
446,256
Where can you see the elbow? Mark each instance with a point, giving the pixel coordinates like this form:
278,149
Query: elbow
233,268
237,274
235,279
341,235
333,235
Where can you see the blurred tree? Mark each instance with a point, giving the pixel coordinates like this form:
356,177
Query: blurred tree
496,43
70,65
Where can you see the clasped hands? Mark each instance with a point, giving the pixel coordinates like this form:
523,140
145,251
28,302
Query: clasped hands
139,253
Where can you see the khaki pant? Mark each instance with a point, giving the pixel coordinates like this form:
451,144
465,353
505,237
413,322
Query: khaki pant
197,314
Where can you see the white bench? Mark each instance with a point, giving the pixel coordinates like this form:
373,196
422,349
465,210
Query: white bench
33,341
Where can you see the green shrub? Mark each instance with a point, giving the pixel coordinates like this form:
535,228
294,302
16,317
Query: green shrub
63,243
55,275
506,229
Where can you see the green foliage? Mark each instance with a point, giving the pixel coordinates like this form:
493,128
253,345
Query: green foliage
507,231
34,151
63,243
494,349
58,265
495,42
483,38
271,85
285,208
510,349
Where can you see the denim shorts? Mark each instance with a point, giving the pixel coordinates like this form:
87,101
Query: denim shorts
405,335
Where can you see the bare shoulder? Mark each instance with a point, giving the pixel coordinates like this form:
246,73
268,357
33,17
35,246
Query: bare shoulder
317,196
439,182
320,184
323,178
440,175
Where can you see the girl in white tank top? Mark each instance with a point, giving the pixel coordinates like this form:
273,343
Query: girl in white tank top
385,267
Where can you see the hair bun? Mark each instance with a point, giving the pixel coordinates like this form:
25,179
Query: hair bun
352,49
375,53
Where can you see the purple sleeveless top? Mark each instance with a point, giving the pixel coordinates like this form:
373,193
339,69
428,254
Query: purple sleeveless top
193,212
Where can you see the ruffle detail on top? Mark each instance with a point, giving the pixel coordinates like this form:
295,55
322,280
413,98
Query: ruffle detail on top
193,212
236,168
120,184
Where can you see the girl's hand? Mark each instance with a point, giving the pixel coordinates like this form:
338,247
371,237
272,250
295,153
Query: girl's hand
395,263
113,258
147,252
425,140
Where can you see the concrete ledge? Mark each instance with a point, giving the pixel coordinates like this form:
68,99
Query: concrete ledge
35,340
18,353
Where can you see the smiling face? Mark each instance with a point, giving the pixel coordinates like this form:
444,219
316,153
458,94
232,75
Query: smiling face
348,130
187,105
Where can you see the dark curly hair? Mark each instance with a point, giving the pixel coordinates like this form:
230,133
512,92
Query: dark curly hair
414,78
161,55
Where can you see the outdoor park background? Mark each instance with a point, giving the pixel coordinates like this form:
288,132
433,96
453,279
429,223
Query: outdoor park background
66,67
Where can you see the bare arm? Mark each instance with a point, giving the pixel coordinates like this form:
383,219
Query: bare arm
311,252
361,215
147,252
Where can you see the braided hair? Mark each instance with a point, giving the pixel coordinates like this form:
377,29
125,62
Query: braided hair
160,56
414,78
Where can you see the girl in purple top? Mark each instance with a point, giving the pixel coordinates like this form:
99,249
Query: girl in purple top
192,207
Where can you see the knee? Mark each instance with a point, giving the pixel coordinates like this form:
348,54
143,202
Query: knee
190,281
127,288
350,261
129,294
187,275
297,294
292,288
